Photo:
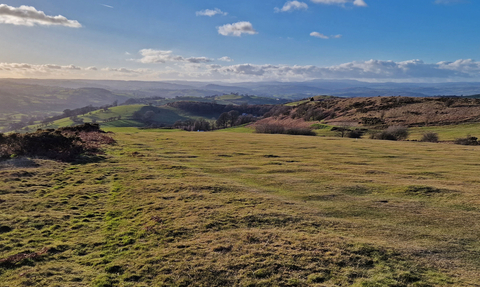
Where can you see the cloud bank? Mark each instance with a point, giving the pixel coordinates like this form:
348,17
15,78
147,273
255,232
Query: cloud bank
361,70
371,70
237,29
29,16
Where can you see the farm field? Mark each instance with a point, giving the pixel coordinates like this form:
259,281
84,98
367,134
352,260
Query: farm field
447,132
172,208
165,115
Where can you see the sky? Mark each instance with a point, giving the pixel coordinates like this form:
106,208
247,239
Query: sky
248,40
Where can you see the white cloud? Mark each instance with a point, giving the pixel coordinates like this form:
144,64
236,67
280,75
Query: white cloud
322,36
237,29
292,5
214,66
108,6
319,35
29,16
467,66
71,67
360,3
198,60
225,59
210,13
150,56
120,70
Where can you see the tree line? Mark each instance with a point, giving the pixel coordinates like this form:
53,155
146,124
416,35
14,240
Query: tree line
225,120
205,108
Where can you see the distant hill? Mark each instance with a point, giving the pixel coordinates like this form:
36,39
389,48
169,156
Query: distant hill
27,98
289,90
230,99
387,111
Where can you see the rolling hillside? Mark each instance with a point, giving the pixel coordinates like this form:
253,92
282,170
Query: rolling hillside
22,98
387,111
149,115
123,116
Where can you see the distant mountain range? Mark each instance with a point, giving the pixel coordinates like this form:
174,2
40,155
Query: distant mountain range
289,90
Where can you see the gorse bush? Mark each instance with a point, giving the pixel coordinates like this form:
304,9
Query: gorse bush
392,133
469,140
65,144
355,134
270,129
430,137
279,129
300,132
47,144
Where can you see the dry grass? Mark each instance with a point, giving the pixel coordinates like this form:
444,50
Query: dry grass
285,122
414,112
402,110
228,209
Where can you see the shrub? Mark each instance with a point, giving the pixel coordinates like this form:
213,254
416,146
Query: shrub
355,134
300,132
270,129
65,144
469,140
372,121
82,128
278,111
279,129
392,133
319,126
430,137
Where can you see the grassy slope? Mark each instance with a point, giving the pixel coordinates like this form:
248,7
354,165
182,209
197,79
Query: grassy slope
448,133
230,209
169,117
165,115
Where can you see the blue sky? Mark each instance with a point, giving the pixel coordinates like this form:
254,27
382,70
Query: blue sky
372,40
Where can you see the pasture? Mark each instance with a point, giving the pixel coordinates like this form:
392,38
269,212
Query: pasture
171,208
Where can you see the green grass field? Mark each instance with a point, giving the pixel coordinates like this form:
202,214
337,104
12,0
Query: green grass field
239,129
171,208
448,133
163,115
